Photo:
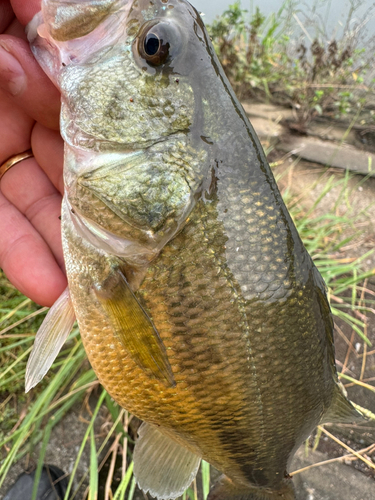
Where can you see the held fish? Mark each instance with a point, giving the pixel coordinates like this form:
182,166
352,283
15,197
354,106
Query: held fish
200,310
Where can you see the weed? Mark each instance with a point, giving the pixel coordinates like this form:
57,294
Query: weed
265,58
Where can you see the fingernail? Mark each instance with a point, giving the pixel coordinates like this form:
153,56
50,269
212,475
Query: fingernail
12,76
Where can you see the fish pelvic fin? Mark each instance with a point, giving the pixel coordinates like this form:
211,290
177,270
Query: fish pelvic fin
162,467
134,328
341,410
49,339
226,489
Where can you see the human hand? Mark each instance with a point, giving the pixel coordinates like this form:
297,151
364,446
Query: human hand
30,192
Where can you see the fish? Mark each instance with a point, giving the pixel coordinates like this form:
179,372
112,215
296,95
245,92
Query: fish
200,310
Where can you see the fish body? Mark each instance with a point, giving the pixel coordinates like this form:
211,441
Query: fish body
200,310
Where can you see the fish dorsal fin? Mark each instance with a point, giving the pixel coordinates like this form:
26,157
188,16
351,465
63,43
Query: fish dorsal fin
161,466
49,339
342,411
134,328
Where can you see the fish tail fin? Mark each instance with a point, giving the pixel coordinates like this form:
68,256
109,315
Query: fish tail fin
225,489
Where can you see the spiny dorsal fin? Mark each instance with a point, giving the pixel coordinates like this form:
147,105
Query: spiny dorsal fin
134,328
342,411
161,466
49,339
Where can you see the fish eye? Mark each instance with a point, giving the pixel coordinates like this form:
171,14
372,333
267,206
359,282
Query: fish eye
152,44
157,43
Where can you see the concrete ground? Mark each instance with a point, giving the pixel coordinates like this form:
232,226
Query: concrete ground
334,481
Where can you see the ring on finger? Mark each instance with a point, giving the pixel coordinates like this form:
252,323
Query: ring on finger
13,160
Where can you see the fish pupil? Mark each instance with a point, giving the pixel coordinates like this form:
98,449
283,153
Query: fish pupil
152,44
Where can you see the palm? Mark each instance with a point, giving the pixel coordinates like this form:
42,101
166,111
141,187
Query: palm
30,193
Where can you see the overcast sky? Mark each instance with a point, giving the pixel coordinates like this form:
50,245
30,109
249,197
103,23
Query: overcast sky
337,10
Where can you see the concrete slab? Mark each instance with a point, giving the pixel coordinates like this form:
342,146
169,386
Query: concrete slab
267,129
328,130
330,154
324,142
268,111
334,481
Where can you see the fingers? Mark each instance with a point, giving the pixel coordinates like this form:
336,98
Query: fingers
29,252
15,129
6,15
28,188
26,258
30,204
25,10
48,149
24,82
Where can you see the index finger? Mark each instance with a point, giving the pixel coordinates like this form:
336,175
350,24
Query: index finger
26,258
25,10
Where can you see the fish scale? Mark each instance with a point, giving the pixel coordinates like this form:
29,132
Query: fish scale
199,375
200,310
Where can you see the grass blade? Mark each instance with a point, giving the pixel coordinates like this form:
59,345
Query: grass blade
120,492
97,408
93,492
205,469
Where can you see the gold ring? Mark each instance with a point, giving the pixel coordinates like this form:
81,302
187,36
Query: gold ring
13,160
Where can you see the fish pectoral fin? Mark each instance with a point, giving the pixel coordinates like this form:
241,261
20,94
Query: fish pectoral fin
74,19
342,411
134,328
162,467
226,489
49,339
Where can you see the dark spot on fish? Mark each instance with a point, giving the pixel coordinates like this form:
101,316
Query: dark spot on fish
63,64
286,475
131,99
177,80
207,140
72,210
59,217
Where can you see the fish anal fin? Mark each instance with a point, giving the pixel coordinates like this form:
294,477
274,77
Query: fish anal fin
162,467
49,339
342,411
226,489
134,328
